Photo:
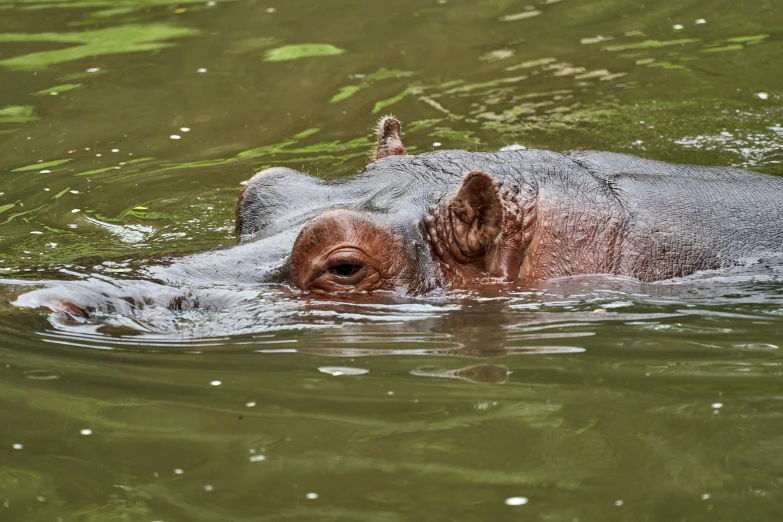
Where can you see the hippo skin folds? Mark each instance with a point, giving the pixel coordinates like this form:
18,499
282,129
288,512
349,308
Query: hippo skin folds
456,219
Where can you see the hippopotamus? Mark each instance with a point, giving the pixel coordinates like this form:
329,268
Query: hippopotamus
453,219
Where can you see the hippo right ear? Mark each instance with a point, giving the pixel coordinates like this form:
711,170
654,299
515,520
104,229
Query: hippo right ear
389,140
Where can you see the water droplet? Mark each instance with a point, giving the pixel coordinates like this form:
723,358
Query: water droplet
516,501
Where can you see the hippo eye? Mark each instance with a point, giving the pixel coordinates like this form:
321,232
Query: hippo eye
344,270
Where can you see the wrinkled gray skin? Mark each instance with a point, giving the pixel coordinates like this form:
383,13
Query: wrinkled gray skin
606,213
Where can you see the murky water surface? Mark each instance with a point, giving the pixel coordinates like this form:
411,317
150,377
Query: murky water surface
126,128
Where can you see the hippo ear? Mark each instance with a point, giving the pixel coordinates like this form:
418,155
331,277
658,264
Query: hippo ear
389,141
476,215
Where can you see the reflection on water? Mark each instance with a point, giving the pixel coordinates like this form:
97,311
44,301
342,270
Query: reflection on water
126,130
558,393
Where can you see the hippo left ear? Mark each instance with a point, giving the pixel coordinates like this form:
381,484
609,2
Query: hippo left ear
389,140
474,236
477,214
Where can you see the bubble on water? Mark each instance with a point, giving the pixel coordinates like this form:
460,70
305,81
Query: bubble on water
175,137
618,503
513,146
762,95
18,446
717,405
516,501
41,375
208,487
700,21
211,3
185,129
115,150
342,370
216,383
36,232
251,404
437,144
201,70
271,10
75,211
257,458
46,171
678,27
312,496
86,431
93,69
705,496
178,471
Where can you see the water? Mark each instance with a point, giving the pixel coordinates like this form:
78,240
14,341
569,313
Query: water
126,129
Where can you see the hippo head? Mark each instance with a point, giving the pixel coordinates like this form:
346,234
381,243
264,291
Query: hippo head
408,224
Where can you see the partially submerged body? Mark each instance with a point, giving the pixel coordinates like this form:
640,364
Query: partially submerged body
459,220
454,219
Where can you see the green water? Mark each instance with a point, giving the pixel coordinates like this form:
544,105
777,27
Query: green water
584,400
